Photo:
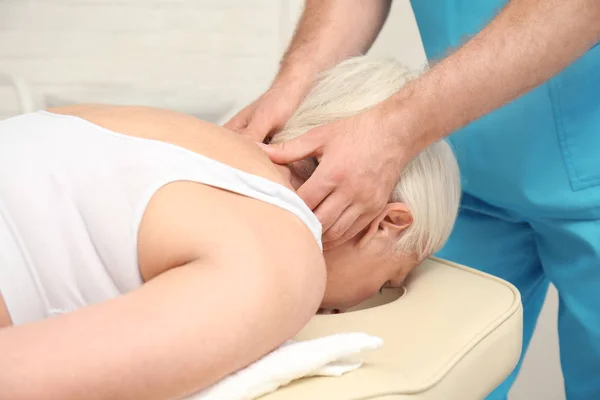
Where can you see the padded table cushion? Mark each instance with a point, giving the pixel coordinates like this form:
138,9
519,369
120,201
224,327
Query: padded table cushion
454,334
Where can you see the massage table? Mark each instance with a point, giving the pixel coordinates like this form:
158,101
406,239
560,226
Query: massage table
451,333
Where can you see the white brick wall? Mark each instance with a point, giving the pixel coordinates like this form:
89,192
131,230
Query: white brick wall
192,55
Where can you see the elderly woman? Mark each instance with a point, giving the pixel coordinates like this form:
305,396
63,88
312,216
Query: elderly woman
148,254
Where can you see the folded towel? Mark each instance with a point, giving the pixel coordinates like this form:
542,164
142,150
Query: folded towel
332,355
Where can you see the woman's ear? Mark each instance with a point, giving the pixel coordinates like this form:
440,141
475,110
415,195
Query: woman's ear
396,219
391,222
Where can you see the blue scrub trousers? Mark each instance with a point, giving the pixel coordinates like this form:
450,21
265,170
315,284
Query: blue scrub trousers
530,211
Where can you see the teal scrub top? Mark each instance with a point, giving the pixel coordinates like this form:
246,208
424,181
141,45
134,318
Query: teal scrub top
539,154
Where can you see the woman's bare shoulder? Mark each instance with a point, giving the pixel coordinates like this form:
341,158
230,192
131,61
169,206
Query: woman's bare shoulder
183,130
128,118
185,222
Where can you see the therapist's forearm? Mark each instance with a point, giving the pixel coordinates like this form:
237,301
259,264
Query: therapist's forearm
526,44
328,32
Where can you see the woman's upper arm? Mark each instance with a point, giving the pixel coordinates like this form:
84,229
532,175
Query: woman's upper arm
178,333
218,296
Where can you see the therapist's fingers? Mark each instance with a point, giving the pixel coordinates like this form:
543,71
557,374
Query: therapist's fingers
351,226
316,188
330,209
258,128
239,121
253,122
337,233
307,145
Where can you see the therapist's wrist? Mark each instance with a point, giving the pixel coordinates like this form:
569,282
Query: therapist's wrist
296,77
406,122
428,109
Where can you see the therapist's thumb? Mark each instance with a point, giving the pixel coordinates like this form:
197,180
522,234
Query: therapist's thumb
294,150
258,128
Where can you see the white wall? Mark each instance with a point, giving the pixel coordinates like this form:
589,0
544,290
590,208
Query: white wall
541,377
203,57
192,55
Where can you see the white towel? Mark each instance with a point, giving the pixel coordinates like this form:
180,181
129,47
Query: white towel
332,355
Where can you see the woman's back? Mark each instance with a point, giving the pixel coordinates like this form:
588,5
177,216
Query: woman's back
77,194
163,268
183,130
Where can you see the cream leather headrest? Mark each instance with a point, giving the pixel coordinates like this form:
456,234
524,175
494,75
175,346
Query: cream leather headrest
454,334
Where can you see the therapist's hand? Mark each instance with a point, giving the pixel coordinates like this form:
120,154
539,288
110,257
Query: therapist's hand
360,161
269,113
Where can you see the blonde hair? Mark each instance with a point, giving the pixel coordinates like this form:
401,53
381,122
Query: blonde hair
430,182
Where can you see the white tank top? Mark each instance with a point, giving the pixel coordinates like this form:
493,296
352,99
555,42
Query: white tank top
72,195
